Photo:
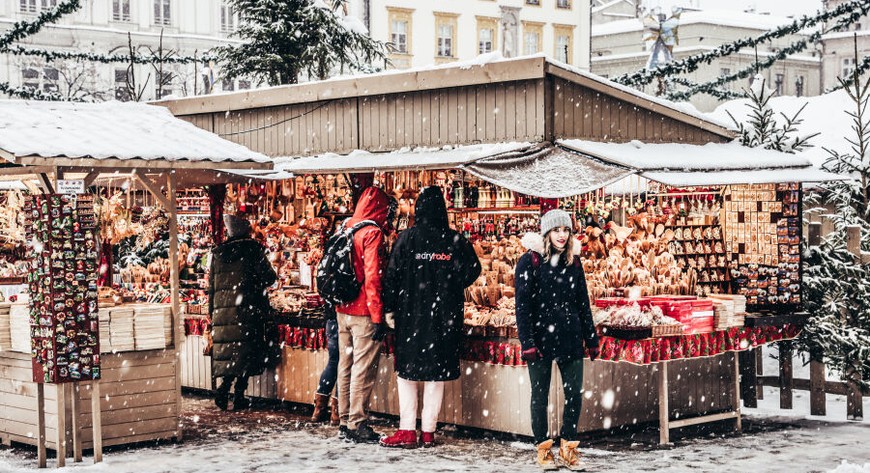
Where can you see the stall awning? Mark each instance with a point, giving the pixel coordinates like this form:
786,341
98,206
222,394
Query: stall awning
761,176
546,171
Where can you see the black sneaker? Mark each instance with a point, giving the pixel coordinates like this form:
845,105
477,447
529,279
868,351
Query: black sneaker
342,432
363,434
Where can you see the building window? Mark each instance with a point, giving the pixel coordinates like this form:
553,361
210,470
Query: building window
399,35
122,93
778,81
848,68
484,41
48,4
725,72
227,85
563,3
564,43
533,34
121,10
162,15
44,79
244,85
799,86
30,78
445,35
533,2
229,19
34,6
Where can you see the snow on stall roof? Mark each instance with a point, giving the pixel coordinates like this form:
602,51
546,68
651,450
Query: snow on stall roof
686,157
446,157
734,19
110,130
825,114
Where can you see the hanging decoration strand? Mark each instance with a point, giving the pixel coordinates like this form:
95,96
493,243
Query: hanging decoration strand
23,29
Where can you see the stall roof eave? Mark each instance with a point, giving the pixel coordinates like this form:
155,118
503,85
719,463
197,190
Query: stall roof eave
757,176
109,164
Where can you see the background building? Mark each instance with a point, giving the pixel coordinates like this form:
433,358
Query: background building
424,32
190,27
838,58
617,48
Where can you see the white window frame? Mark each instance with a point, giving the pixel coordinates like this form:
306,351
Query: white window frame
399,35
485,45
229,20
41,81
118,13
527,42
120,88
564,4
36,6
563,45
445,43
162,12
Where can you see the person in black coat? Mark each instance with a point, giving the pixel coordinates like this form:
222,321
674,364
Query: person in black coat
430,267
554,321
240,312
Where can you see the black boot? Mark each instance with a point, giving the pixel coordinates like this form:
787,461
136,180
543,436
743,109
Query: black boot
240,402
222,394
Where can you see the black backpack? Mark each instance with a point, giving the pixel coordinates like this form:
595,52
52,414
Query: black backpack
336,277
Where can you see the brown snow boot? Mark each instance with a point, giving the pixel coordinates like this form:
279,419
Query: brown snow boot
545,455
321,408
334,419
569,457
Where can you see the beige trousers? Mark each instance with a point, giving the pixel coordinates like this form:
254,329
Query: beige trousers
358,357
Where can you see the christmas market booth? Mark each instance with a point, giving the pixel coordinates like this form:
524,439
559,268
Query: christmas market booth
89,358
691,243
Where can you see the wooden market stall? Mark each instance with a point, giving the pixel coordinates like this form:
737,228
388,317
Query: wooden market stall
506,141
63,152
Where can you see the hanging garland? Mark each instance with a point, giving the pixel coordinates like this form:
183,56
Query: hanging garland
860,68
103,58
719,93
855,9
23,29
29,93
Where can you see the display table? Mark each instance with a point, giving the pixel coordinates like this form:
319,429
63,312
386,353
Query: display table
693,379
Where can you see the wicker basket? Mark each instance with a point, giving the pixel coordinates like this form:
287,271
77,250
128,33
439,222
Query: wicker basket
667,330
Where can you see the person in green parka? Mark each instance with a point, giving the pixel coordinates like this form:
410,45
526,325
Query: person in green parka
240,312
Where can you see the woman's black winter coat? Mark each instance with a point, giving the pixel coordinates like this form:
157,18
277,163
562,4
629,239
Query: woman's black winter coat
553,312
240,312
430,267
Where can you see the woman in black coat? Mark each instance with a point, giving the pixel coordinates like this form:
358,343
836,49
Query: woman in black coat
554,321
240,312
430,267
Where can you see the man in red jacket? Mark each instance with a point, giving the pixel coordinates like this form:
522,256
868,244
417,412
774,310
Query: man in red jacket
361,322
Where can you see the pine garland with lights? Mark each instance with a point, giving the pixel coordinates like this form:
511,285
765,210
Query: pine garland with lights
23,29
860,69
102,58
29,93
852,10
706,88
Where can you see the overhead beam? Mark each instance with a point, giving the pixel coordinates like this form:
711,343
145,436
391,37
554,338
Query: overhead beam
90,178
26,170
153,188
112,164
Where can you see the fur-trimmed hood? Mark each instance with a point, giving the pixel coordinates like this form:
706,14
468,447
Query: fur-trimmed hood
535,242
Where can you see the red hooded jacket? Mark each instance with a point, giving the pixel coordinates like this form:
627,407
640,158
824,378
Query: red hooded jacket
369,258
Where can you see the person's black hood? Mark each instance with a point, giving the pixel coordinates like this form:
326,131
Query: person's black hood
235,249
430,209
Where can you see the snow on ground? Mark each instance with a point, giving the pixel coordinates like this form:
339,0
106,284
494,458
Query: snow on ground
272,439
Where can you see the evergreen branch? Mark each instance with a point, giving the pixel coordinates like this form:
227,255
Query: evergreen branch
29,93
855,9
23,29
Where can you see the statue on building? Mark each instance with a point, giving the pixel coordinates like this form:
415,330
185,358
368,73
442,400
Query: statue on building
510,31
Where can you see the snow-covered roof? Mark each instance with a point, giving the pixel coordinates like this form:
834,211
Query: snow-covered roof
824,114
686,157
729,18
107,130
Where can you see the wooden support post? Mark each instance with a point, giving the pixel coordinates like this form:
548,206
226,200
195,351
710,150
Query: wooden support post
97,421
664,410
748,378
818,402
46,183
786,379
738,421
75,427
175,284
759,369
40,424
61,425
854,400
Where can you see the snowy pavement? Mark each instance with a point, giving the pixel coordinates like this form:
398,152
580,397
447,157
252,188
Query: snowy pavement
267,440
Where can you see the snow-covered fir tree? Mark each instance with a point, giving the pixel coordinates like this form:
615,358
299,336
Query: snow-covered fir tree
762,129
284,39
837,284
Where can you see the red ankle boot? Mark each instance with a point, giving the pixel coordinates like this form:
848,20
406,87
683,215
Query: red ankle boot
400,439
427,439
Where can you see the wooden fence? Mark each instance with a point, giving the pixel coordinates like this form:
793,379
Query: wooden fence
753,380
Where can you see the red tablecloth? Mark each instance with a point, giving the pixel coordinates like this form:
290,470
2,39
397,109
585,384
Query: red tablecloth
640,352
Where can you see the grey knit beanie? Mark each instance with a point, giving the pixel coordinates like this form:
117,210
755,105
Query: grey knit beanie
554,219
236,226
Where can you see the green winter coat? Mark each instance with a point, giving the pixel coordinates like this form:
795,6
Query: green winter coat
242,324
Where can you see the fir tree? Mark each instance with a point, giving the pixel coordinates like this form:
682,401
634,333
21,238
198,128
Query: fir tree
763,130
837,283
283,39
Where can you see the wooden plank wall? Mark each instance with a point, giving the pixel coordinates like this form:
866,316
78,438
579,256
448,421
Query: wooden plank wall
512,111
139,400
579,112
